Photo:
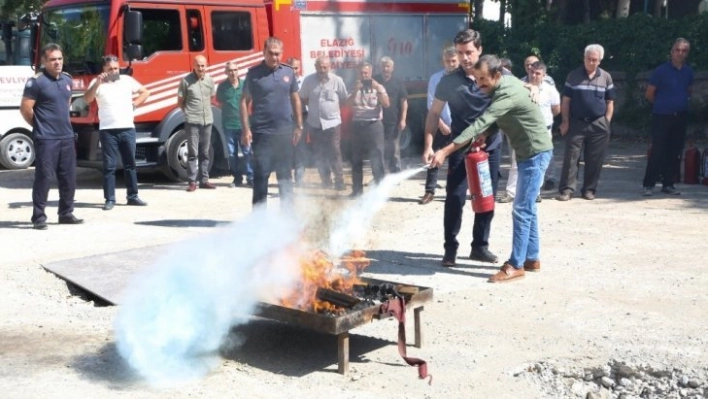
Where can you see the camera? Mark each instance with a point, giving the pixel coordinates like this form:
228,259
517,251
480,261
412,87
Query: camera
366,84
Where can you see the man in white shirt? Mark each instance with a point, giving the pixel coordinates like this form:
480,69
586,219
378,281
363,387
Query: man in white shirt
323,93
117,97
442,136
549,101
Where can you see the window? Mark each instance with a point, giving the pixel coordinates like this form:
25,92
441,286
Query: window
162,31
196,37
232,30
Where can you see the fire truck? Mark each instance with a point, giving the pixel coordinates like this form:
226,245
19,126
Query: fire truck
16,146
157,40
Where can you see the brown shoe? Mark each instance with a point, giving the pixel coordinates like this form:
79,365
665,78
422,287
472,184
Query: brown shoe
427,198
207,185
506,274
192,187
532,266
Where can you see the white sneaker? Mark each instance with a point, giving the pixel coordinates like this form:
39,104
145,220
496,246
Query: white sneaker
648,192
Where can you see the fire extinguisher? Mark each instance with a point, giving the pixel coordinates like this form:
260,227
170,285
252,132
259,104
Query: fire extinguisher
479,180
691,165
705,167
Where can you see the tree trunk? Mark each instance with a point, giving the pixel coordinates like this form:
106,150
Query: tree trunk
478,9
502,11
658,4
623,8
586,11
561,7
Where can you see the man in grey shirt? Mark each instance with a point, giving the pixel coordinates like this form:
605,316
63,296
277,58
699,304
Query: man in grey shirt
323,92
194,97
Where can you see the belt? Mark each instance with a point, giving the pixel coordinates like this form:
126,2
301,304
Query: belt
679,113
367,121
589,119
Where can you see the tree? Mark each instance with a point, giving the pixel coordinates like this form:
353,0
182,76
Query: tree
623,8
12,9
478,9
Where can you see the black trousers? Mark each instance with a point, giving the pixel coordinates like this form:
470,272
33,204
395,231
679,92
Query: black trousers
392,148
272,153
591,137
668,134
456,196
367,140
54,158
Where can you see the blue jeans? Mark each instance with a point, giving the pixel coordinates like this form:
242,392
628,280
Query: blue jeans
233,142
525,241
115,142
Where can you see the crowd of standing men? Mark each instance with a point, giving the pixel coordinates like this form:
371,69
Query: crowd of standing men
273,115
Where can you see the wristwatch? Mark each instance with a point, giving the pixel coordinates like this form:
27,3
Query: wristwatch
300,127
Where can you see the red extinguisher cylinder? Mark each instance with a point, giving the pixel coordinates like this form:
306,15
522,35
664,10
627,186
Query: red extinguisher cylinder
691,165
479,180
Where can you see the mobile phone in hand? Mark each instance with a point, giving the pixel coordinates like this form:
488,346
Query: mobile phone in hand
366,84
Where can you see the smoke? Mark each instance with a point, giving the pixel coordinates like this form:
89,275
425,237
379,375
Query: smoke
354,221
176,314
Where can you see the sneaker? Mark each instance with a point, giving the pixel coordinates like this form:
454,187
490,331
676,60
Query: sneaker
648,191
136,202
505,199
109,205
483,255
671,190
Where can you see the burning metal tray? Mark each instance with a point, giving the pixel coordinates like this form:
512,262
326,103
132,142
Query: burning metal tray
340,324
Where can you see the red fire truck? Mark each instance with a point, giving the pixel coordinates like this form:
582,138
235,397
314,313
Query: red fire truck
157,40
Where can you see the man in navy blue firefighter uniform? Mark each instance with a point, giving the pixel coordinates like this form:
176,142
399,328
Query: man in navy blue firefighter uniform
271,92
467,102
45,106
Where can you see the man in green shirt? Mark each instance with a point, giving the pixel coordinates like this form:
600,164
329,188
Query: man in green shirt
522,121
228,94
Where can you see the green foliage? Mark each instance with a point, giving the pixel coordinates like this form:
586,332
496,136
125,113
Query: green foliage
632,45
12,9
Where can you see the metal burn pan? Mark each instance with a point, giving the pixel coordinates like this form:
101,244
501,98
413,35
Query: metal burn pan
340,324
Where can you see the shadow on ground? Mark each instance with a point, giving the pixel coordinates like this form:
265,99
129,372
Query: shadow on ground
106,366
295,352
184,223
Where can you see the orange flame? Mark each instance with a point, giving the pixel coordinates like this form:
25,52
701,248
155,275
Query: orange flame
318,270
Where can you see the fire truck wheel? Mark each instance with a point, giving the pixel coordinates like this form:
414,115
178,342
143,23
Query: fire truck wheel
175,166
16,151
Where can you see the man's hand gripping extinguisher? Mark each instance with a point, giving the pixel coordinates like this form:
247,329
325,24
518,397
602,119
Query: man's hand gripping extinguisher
479,180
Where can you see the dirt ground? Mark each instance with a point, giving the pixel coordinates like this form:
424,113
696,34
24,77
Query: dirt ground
622,278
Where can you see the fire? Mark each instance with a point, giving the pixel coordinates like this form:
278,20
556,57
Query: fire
319,271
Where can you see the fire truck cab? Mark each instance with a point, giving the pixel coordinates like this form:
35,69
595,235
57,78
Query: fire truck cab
157,40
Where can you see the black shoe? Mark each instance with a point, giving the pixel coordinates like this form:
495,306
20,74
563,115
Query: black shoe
355,194
137,202
238,182
39,225
538,198
339,186
483,255
249,182
450,259
71,219
549,185
109,205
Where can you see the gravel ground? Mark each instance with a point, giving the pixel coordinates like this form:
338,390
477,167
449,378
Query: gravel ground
620,285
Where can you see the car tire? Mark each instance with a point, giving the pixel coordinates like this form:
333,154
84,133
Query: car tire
175,164
16,151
